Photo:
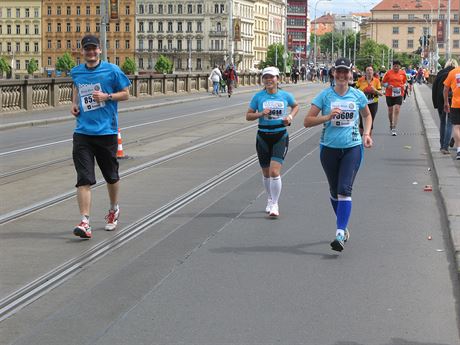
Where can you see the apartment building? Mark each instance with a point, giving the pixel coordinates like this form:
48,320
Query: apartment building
261,30
277,14
20,33
65,22
298,35
401,23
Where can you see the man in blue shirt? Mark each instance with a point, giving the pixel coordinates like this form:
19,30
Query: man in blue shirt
97,88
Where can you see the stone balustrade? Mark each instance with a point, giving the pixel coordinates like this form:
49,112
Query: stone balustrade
30,94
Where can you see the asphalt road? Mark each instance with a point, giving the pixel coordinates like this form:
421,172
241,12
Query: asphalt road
217,270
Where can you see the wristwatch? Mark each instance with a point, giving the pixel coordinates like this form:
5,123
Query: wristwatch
110,96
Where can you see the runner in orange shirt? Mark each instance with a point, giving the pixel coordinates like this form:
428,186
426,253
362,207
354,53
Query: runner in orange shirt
370,85
453,82
394,81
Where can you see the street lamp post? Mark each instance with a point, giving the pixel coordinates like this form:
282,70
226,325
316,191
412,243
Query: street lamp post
316,34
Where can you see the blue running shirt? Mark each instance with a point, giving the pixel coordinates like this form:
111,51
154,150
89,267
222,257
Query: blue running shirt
98,118
278,104
341,132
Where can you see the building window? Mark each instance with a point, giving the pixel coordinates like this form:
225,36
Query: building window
127,10
49,44
395,30
58,10
36,47
49,10
141,26
150,9
150,26
395,16
456,30
98,27
216,8
179,27
179,45
198,64
77,27
456,17
8,47
117,27
27,64
141,44
27,47
36,12
36,30
179,9
395,44
189,26
58,44
78,60
456,44
170,47
27,13
88,10
117,44
410,30
126,27
141,63
441,45
160,45
160,9
8,12
199,9
88,27
78,45
199,27
150,45
117,61
179,64
442,16
198,45
49,28
98,10
58,27
68,27
49,60
160,26
18,64
78,10
141,8
410,44
107,27
170,27
68,44
69,11
127,44
18,46
170,9
18,29
27,29
18,13
189,8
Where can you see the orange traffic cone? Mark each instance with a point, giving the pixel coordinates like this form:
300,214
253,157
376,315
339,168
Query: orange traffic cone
120,154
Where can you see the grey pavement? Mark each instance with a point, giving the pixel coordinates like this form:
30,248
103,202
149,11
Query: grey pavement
447,169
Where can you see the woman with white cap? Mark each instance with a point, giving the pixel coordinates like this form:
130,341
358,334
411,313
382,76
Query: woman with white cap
341,143
270,108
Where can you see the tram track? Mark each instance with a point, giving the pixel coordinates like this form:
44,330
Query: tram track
28,293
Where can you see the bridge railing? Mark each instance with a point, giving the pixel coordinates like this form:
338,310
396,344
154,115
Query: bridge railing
30,94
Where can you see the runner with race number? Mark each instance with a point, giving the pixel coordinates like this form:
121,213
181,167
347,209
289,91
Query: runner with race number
394,81
341,143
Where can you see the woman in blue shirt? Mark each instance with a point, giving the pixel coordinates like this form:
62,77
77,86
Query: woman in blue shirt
341,144
269,107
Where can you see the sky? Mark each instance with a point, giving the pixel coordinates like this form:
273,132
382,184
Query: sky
340,6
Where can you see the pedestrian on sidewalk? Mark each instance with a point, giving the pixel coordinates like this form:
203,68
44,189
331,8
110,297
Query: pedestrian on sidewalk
370,85
452,82
270,108
98,86
437,95
341,144
232,78
215,77
394,81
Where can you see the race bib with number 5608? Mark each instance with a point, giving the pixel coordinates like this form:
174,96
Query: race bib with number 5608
347,116
86,96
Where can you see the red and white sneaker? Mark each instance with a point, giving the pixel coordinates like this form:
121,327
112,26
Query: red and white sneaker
112,219
274,211
83,230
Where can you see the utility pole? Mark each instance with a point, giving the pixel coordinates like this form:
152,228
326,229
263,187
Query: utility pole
448,51
230,34
103,39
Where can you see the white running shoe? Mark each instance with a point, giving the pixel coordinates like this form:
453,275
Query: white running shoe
269,206
112,219
393,132
274,211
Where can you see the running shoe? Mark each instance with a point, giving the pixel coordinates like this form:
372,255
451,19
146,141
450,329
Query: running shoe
274,211
451,142
112,219
338,243
269,205
83,230
393,132
457,157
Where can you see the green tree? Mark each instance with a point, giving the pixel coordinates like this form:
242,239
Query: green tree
163,65
33,66
129,66
275,57
65,63
4,66
372,54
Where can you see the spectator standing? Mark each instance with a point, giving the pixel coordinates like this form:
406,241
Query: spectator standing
215,77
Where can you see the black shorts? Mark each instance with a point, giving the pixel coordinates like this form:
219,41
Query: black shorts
271,146
88,147
391,101
454,116
373,107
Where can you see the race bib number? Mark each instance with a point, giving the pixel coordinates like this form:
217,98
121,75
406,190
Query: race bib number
396,92
277,109
347,116
86,96
457,79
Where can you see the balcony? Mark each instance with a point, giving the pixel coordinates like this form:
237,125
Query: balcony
215,33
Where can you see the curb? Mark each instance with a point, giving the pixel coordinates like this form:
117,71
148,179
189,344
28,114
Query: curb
448,182
32,123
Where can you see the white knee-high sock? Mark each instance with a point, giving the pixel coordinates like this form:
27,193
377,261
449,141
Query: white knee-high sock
266,182
275,188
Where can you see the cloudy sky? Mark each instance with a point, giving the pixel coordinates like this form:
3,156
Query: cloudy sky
340,6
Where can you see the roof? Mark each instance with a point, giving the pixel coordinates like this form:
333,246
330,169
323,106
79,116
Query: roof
325,19
362,14
422,5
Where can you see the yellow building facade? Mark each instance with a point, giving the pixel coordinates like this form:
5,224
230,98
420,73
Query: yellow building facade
261,30
20,33
65,22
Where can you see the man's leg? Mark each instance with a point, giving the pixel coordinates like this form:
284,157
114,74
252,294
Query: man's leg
84,200
390,116
113,190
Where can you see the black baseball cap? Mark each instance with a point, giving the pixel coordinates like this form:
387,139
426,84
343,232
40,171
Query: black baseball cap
90,40
343,63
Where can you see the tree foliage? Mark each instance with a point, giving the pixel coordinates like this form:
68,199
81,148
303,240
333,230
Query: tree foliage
129,66
65,62
275,57
163,65
4,66
33,66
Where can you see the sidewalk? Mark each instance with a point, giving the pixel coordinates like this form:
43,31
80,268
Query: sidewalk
9,120
446,168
